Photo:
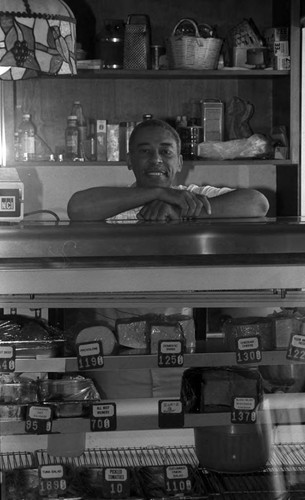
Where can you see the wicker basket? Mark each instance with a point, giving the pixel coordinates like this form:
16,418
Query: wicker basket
192,52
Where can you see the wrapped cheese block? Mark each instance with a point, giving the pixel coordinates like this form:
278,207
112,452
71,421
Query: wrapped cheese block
235,328
213,389
132,333
255,146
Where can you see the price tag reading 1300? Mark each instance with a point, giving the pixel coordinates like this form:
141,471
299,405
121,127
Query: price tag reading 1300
7,359
296,347
90,355
248,350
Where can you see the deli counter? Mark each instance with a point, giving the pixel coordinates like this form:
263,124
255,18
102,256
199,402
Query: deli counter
249,270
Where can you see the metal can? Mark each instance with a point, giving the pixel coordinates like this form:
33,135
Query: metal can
156,52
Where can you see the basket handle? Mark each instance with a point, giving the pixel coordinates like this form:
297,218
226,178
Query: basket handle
197,34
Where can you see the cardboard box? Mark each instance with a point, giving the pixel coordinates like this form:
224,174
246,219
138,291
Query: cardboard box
276,34
11,196
113,142
280,49
281,63
101,140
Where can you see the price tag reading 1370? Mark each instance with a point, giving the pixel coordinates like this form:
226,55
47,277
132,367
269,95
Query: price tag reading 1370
89,355
243,410
296,347
248,350
7,358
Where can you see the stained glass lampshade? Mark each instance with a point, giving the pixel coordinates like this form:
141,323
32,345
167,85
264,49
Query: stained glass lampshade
36,37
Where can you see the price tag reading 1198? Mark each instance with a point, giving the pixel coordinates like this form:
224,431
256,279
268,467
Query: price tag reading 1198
248,350
7,358
90,355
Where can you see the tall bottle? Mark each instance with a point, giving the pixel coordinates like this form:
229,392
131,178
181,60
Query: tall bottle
26,135
77,110
72,138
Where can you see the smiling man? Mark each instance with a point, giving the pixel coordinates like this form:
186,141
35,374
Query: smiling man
155,159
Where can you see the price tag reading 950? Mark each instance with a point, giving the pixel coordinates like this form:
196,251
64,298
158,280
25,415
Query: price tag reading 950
170,353
243,410
171,414
7,359
296,347
39,419
90,355
116,482
52,482
103,417
177,479
248,350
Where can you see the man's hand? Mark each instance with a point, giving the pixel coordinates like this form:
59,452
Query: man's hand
190,204
159,211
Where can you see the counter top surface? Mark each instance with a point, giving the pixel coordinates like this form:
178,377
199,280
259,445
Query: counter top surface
188,242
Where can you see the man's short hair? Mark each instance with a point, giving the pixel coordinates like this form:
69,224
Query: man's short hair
155,123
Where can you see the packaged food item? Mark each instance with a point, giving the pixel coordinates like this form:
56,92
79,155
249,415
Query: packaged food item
101,333
261,327
132,333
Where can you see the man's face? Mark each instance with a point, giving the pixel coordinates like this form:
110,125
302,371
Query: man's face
154,158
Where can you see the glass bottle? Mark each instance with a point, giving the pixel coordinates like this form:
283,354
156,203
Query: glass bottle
26,134
92,153
77,110
71,138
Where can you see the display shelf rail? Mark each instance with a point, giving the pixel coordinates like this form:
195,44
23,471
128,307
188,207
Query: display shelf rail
284,472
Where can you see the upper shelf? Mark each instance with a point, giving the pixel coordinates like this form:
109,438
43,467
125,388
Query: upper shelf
177,74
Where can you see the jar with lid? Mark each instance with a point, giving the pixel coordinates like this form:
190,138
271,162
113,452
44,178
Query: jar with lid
71,138
26,138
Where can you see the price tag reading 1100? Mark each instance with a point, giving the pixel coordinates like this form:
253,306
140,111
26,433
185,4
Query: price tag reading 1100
90,355
248,350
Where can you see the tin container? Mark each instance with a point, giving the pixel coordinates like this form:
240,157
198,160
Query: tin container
156,52
212,120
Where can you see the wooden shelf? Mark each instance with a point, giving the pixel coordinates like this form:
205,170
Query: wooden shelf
176,74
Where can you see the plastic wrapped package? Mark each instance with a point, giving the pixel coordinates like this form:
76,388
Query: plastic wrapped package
17,389
132,333
249,327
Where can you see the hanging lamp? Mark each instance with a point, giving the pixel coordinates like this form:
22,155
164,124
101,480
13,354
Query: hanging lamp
36,37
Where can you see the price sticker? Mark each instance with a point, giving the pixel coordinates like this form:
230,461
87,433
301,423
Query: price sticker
116,482
177,479
39,419
248,350
103,417
171,414
296,347
52,482
90,355
243,410
170,353
7,359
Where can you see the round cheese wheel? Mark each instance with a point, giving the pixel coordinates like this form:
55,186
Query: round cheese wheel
99,333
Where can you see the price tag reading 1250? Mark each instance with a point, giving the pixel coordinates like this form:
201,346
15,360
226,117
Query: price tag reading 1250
296,347
170,353
90,355
248,350
7,358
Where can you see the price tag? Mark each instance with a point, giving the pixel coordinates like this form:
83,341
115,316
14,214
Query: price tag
248,350
171,413
296,347
90,355
170,353
177,479
116,482
103,417
39,419
7,359
52,482
243,410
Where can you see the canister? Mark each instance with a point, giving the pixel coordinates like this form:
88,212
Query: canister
212,120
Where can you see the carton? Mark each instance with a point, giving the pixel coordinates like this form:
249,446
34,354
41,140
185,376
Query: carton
101,140
113,142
